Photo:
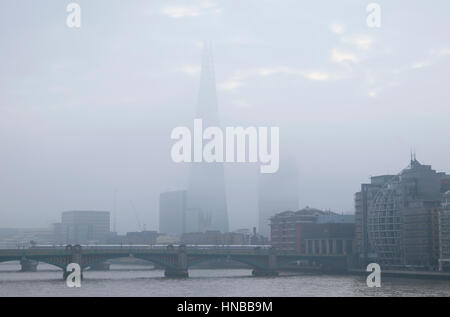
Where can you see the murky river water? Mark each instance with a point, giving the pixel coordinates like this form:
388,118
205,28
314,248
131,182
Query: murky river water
126,280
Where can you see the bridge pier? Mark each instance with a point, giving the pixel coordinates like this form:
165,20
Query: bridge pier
181,263
75,257
271,269
28,265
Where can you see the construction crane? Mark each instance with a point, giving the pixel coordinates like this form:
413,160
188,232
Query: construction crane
137,216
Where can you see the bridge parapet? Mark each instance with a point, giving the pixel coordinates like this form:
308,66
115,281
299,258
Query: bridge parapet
175,260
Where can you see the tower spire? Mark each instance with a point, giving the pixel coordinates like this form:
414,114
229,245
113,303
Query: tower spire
207,99
206,191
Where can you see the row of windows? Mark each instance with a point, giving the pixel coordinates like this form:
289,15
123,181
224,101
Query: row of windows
384,227
384,213
384,220
385,234
385,241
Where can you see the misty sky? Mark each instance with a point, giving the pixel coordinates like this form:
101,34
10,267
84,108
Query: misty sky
85,112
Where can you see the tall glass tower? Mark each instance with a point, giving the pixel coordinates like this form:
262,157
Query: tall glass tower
206,189
277,192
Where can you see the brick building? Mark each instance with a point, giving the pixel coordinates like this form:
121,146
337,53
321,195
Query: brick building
312,231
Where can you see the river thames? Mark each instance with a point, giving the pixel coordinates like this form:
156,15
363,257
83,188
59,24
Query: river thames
126,280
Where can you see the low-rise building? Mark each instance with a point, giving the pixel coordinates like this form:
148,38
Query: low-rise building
24,237
210,237
141,237
312,231
214,237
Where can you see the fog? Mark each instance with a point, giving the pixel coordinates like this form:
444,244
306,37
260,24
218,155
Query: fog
87,112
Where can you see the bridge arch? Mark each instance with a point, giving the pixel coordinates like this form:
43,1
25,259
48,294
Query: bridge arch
3,260
157,260
49,261
252,263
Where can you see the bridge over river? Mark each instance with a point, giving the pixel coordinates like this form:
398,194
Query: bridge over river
175,260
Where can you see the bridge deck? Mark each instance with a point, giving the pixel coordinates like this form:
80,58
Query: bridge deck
127,251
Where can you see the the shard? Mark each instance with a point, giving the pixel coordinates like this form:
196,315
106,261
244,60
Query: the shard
207,206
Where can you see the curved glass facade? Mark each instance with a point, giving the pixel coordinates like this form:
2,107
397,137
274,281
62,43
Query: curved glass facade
384,226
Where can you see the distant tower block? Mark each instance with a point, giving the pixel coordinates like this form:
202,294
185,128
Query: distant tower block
206,190
277,192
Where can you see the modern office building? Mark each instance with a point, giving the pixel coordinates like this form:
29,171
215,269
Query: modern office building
197,220
82,227
172,212
206,190
395,222
312,231
443,245
175,218
277,192
363,200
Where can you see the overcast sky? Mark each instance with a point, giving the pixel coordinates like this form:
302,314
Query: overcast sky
85,112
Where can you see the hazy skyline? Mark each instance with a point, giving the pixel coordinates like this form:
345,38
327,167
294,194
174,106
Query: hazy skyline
85,112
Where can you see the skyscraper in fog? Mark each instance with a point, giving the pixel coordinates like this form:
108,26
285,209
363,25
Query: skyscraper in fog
172,212
277,192
83,226
206,189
